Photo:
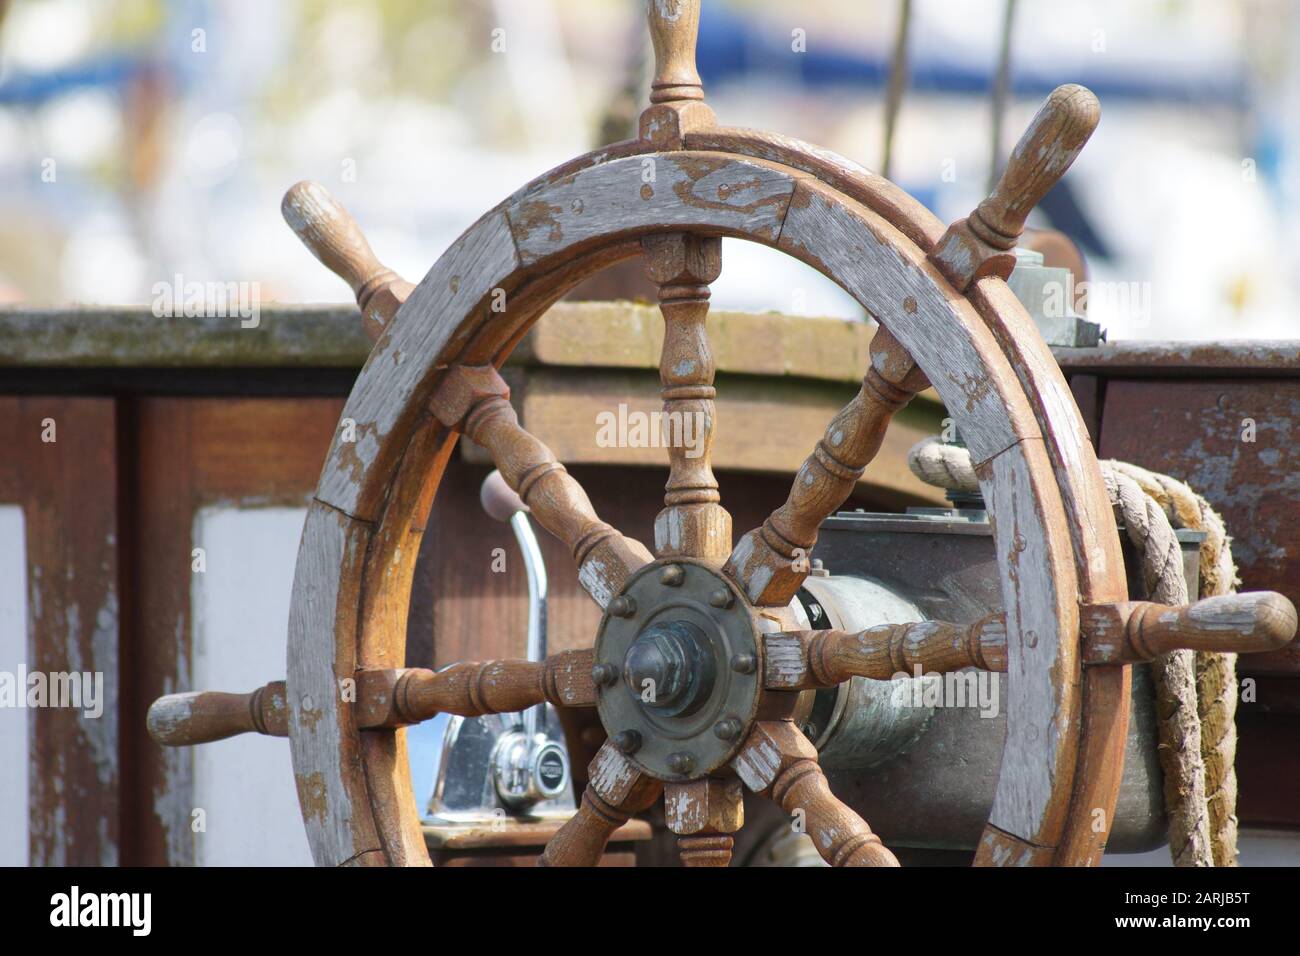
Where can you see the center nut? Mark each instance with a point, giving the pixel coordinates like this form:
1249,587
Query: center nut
678,669
670,667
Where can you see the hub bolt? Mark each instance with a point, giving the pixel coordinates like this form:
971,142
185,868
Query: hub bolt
627,741
727,729
622,606
681,762
743,663
671,575
720,598
602,675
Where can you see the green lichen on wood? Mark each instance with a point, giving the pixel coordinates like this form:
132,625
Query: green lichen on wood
285,336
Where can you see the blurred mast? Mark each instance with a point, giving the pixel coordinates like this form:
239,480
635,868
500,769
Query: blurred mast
1001,90
897,84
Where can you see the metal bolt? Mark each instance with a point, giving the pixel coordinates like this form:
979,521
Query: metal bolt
603,675
743,663
720,598
627,741
727,729
622,606
671,575
681,762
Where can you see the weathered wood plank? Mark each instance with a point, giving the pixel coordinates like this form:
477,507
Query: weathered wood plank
1095,544
192,452
1239,358
699,191
286,336
878,194
1040,597
61,469
1234,442
325,743
630,335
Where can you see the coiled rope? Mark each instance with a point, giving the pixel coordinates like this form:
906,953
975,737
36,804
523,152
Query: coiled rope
1196,693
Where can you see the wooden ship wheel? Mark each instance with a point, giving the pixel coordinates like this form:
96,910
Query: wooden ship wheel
700,657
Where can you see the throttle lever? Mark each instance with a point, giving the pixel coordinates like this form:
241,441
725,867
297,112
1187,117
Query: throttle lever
501,502
528,767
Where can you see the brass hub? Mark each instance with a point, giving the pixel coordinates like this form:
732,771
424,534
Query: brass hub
679,669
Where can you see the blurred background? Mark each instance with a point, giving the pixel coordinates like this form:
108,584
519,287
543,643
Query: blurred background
140,138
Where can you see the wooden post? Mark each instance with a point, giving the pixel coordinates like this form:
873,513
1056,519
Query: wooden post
693,523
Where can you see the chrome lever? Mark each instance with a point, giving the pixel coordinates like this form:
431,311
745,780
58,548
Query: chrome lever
528,767
500,501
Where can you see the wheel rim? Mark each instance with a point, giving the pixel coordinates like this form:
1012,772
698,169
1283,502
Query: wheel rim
359,543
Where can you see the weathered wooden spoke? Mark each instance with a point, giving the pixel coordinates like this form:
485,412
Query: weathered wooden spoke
334,237
983,243
476,400
771,562
1112,634
200,717
800,660
778,761
1252,622
384,698
615,790
693,524
704,814
1120,633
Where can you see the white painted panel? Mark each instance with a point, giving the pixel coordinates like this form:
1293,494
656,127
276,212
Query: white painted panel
14,840
240,612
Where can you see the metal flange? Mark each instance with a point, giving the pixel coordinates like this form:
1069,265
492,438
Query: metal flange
681,669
